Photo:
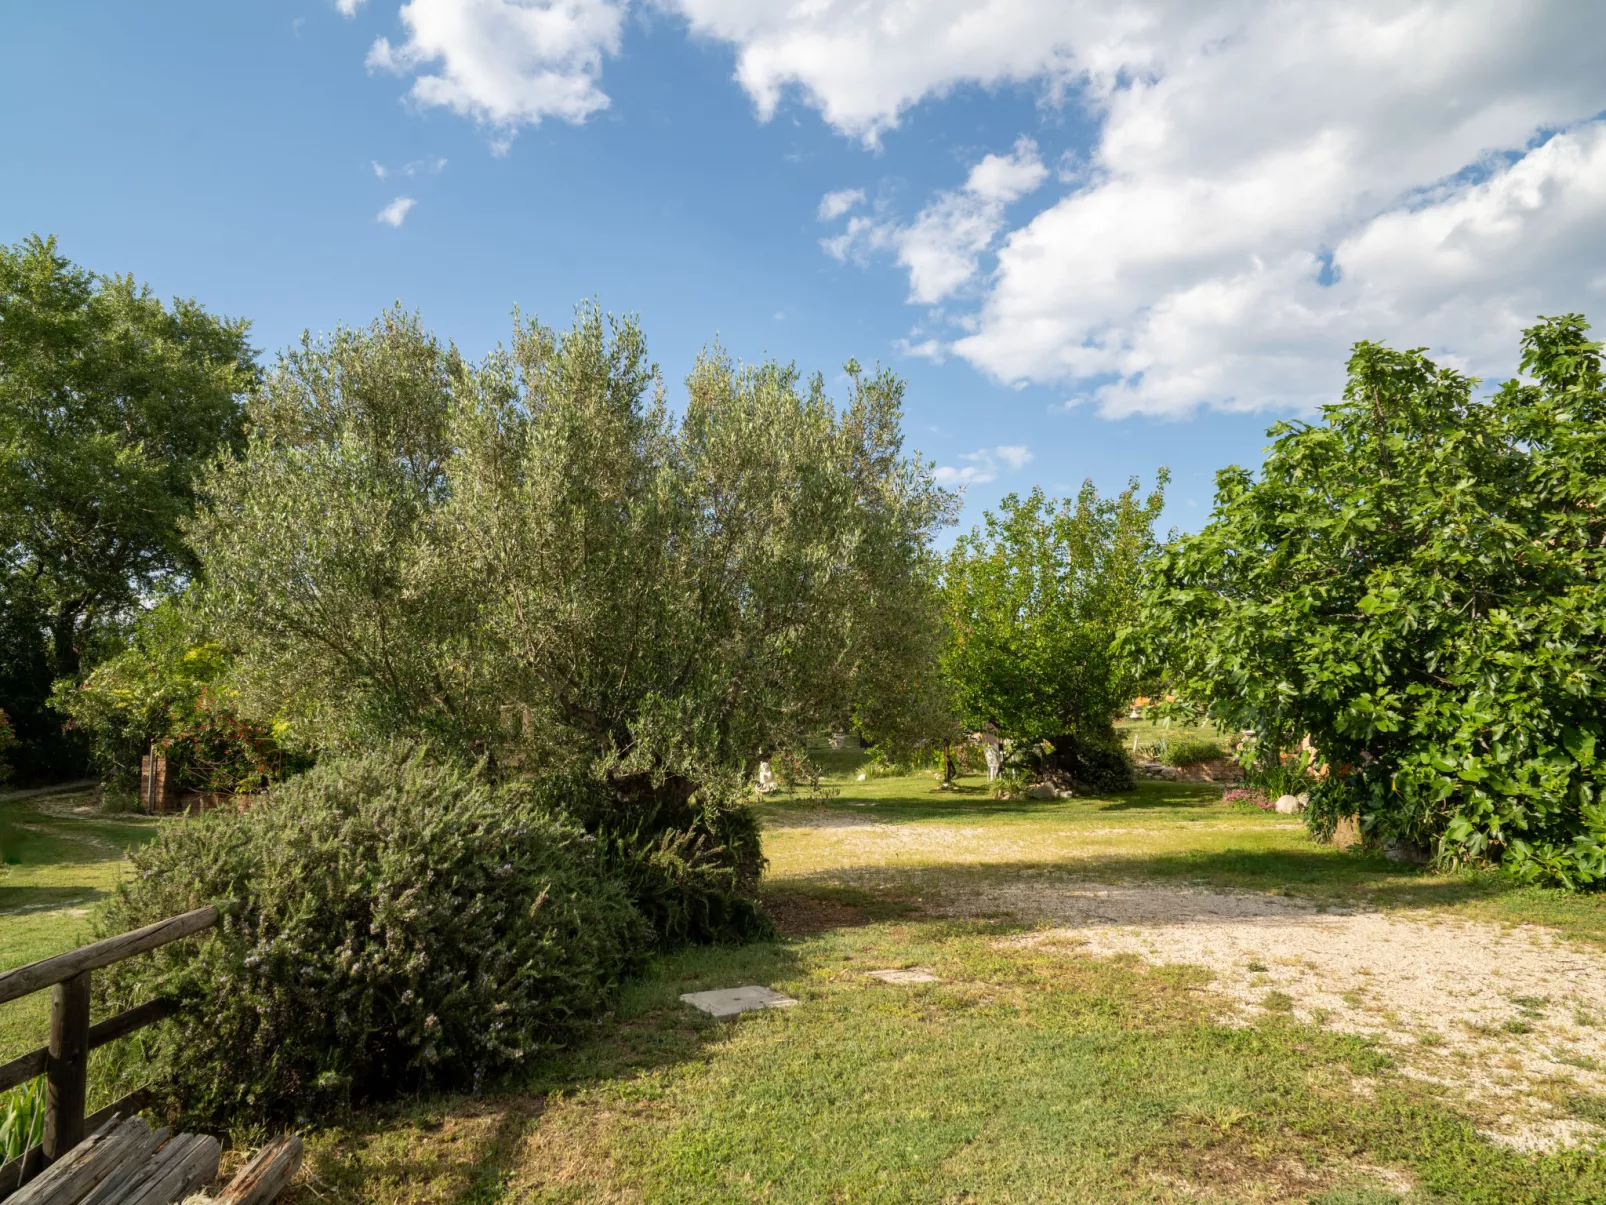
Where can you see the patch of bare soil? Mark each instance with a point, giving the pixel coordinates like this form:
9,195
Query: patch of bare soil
1508,1020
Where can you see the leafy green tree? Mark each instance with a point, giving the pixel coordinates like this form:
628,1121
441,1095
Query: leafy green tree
532,560
110,404
1034,601
1415,582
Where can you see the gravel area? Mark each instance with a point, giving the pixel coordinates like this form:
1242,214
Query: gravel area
1508,1019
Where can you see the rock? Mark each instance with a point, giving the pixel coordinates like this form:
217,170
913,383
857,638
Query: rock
909,975
1040,791
733,1001
860,778
1290,805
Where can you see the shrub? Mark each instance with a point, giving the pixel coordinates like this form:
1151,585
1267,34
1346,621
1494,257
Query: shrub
1246,798
213,749
690,859
388,924
1192,751
1088,765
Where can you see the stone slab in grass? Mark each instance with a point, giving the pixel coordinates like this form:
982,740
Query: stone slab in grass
733,1001
905,975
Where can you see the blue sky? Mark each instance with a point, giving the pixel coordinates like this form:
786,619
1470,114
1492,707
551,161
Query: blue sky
1096,238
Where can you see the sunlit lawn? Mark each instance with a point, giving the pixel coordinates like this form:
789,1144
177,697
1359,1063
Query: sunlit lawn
1021,1076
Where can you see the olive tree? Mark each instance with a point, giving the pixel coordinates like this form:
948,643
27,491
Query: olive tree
535,561
1415,582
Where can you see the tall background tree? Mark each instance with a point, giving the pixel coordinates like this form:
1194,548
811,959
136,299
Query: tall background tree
1035,599
1416,582
110,404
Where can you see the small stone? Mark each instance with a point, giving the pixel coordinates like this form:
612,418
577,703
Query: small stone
860,778
908,975
1041,791
1289,805
733,1001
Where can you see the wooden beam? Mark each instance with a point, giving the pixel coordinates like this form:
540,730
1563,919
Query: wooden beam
127,1021
50,971
67,1066
265,1175
22,1068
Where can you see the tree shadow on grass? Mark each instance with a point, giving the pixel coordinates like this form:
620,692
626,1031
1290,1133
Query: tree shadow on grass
465,1148
18,900
1321,875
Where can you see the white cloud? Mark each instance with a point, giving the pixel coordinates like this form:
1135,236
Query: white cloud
395,213
348,8
505,63
834,204
983,466
942,247
1268,183
431,166
862,63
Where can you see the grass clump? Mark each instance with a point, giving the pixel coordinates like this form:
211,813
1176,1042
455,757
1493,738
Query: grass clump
388,924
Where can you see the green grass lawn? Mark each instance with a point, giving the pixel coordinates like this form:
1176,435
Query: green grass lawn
58,856
1024,1074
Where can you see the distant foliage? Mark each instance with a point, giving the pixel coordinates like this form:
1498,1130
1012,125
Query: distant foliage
1034,600
1418,582
388,925
111,404
1191,751
165,689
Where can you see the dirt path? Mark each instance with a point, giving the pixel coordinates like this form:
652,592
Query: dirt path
1511,1020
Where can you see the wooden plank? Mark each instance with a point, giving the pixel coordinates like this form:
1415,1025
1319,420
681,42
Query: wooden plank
23,1068
127,1021
50,971
81,1168
67,1067
195,1164
265,1175
131,1169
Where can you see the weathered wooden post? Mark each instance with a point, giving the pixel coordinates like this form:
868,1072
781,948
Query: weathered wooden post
67,1066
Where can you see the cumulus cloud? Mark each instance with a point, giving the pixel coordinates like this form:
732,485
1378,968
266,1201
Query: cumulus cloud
863,63
396,212
1268,182
505,63
348,8
982,466
942,247
834,204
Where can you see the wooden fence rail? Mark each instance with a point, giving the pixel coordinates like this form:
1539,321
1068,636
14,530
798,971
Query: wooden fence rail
64,1062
